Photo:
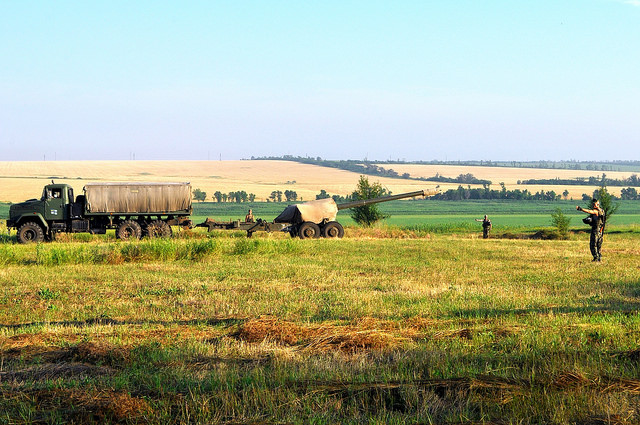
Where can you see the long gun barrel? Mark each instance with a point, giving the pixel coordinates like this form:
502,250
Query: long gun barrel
363,202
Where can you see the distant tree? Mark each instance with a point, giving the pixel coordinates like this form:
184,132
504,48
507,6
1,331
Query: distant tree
340,199
199,195
276,196
322,195
217,196
252,197
290,195
629,193
606,202
561,222
225,197
369,214
565,194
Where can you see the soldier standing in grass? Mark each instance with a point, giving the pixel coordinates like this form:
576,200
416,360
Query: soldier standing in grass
486,226
596,221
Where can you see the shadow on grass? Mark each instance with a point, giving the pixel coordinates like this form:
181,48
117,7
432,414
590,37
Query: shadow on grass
598,308
230,321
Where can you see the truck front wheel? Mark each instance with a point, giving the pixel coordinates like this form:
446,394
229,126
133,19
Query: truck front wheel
30,232
128,229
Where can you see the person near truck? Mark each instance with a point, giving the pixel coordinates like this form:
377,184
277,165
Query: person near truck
249,217
596,220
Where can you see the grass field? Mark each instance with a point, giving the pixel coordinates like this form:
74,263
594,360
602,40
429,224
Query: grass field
418,320
432,329
505,215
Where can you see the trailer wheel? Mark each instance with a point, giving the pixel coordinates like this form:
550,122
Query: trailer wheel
128,229
309,230
30,232
332,230
158,229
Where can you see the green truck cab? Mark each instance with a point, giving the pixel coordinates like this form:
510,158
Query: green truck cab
132,209
35,218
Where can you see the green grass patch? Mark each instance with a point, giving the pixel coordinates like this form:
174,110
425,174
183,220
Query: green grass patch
422,322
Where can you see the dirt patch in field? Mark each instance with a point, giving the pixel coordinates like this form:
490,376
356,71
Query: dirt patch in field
544,234
385,233
86,352
271,329
84,406
572,381
204,363
351,341
348,339
365,334
52,371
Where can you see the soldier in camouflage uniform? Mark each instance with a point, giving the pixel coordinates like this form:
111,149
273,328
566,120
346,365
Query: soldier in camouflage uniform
596,219
486,226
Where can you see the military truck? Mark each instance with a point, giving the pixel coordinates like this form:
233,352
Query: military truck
132,209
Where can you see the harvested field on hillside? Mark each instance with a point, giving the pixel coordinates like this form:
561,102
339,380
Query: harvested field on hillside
23,180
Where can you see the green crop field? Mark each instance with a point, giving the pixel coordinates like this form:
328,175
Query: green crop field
505,215
399,324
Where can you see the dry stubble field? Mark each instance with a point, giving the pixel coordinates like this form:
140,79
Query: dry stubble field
24,180
223,329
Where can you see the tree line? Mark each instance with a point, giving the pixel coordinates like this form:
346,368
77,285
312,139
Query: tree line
466,193
241,196
632,180
218,196
372,167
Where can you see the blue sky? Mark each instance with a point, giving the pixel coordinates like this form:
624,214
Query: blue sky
413,80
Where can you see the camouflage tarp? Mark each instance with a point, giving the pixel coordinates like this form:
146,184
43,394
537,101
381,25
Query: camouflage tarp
143,198
314,211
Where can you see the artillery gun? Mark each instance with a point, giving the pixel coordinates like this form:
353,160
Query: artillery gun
317,218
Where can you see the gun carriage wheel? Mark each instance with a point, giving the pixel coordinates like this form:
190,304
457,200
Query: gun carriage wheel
309,230
333,230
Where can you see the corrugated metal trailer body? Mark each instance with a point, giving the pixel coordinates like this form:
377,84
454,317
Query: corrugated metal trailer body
137,198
